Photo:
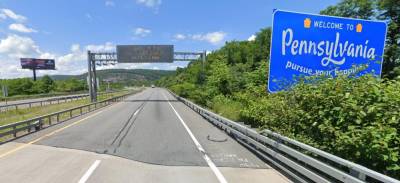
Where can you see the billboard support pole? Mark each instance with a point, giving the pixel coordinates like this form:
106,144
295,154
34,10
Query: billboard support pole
34,74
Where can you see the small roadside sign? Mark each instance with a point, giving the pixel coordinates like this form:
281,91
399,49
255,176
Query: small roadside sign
4,91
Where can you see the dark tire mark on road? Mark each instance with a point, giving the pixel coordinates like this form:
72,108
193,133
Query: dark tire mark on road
129,123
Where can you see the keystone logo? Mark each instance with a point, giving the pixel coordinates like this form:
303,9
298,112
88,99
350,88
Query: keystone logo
359,28
307,23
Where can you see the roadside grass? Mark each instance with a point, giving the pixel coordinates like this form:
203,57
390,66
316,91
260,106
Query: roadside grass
227,107
25,97
13,116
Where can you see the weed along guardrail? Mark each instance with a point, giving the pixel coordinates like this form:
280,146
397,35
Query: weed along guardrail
58,100
36,96
10,131
302,162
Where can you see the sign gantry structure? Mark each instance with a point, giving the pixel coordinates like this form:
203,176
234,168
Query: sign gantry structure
135,54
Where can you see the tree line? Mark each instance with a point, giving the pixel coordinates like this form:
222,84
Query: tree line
26,86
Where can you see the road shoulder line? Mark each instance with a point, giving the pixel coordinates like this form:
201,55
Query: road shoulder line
211,164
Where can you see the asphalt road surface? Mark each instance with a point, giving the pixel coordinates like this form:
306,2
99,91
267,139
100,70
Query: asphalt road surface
149,137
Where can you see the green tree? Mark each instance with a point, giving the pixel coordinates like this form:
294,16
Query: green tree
44,85
21,86
71,85
390,11
351,8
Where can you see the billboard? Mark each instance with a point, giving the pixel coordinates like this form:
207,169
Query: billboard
315,45
38,64
145,53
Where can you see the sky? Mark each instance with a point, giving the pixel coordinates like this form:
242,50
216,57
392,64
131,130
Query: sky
65,29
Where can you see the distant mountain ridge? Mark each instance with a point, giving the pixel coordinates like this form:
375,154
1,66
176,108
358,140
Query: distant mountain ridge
122,75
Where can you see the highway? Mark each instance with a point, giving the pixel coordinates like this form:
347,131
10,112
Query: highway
149,137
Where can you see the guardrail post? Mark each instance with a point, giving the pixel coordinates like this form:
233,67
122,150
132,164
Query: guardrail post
58,117
70,114
41,103
15,131
80,109
29,127
38,125
30,105
49,120
357,174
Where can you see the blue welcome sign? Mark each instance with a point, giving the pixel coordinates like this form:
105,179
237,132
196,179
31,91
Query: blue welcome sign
316,45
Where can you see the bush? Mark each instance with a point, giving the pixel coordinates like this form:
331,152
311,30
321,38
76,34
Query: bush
226,107
357,119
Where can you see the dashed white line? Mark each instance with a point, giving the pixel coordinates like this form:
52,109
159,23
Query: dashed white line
89,171
211,164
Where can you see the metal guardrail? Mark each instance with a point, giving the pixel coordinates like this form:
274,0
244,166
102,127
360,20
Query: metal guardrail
16,106
38,123
36,96
302,162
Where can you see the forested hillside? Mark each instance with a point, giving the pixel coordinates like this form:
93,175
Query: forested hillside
355,118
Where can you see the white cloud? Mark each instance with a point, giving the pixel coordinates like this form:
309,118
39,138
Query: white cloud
252,38
12,48
180,36
211,37
107,47
142,32
73,62
15,46
110,3
150,3
7,13
21,28
3,16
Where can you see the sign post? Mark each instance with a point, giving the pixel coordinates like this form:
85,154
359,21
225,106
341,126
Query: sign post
4,89
316,45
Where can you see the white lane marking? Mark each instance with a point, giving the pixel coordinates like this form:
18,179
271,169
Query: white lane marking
214,168
89,171
136,112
